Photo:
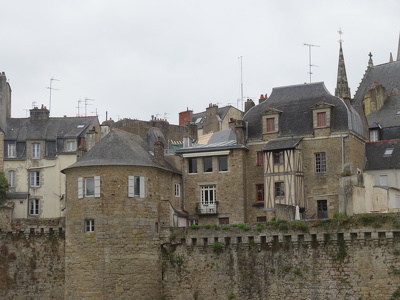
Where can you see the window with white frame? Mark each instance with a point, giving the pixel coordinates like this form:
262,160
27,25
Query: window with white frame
320,162
89,187
89,225
208,194
177,190
11,151
374,135
34,207
11,178
70,146
35,150
136,186
34,179
383,180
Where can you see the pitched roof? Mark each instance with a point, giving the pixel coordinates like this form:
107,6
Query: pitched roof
281,144
386,74
22,129
376,159
199,118
120,148
296,118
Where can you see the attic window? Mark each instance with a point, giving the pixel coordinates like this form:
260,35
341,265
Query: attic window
398,113
80,126
198,120
388,152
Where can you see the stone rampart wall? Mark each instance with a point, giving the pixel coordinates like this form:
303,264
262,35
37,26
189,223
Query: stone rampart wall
254,264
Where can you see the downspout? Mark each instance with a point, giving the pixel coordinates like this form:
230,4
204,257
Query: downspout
343,154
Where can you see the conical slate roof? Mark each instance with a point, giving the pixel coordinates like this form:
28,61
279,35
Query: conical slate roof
120,148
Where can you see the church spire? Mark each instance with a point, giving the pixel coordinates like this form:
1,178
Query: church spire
398,50
342,86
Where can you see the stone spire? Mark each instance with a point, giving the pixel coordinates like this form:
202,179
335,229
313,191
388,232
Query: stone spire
370,62
342,86
398,50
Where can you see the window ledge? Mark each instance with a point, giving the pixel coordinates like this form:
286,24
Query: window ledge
258,204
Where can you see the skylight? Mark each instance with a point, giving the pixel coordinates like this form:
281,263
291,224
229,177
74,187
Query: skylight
81,126
388,152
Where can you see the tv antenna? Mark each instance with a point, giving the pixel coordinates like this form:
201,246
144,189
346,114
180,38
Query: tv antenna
309,57
86,104
241,83
51,88
79,106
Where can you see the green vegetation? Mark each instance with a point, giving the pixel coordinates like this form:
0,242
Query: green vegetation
299,225
342,250
396,294
218,247
208,226
194,226
244,227
3,188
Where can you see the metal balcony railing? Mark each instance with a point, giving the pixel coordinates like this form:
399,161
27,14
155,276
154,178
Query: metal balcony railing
207,209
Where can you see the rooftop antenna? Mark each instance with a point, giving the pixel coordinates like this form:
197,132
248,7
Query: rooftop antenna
86,104
241,83
309,57
34,104
51,88
79,106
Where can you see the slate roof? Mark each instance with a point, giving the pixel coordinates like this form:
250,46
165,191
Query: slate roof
120,148
22,129
281,144
220,140
199,118
387,74
376,158
295,102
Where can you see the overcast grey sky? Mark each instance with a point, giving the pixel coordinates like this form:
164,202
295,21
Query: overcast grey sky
155,57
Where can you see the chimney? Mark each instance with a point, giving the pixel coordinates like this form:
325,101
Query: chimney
262,98
248,104
240,131
39,114
185,117
159,152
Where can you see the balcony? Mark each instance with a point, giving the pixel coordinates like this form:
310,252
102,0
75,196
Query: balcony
207,209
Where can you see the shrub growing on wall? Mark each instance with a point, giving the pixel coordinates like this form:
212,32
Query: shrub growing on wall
3,187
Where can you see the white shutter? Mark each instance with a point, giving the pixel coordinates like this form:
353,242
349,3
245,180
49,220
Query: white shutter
131,186
80,187
142,187
97,186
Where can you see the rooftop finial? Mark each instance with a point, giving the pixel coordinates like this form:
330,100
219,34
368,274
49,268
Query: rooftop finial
340,35
370,62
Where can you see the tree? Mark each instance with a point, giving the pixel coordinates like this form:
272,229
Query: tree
3,187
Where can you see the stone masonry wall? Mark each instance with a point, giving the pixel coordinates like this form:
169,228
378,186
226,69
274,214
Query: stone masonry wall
351,264
32,260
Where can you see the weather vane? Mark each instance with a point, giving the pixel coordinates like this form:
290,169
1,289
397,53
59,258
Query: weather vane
340,35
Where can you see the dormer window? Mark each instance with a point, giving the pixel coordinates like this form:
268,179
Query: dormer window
271,120
388,152
374,135
322,114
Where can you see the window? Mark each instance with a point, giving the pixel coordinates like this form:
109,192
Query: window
33,207
89,225
374,135
193,222
208,194
261,219
223,221
34,179
397,201
207,162
270,124
89,187
278,157
11,178
260,158
70,146
11,151
322,207
35,150
320,162
223,163
279,189
193,165
260,193
136,186
388,152
177,190
321,119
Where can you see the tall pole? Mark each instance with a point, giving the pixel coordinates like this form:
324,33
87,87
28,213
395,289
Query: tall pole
241,82
309,58
51,88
